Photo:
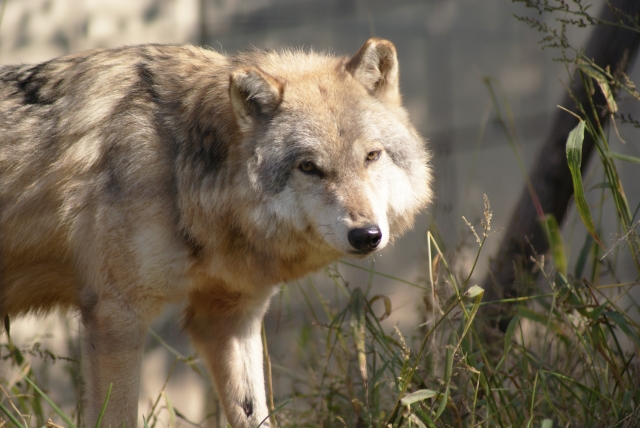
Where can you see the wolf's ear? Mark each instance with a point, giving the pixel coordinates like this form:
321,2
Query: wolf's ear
375,65
254,94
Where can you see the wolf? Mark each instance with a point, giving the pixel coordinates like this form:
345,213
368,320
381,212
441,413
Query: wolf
139,176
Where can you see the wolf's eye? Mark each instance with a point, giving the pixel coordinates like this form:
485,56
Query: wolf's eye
373,155
309,167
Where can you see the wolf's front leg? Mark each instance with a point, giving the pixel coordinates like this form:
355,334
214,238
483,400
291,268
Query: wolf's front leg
113,347
225,327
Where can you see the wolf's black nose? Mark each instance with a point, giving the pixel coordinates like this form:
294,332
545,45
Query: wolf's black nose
365,238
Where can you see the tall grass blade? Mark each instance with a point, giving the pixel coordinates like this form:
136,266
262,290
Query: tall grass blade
171,410
11,417
357,307
574,159
621,322
602,77
270,415
476,294
55,408
623,157
508,338
448,371
582,257
104,406
556,243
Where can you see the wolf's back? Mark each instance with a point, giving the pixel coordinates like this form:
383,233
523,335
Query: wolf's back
78,133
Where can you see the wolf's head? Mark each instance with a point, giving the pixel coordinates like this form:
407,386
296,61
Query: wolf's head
333,157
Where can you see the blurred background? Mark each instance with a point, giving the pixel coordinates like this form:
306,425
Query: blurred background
447,50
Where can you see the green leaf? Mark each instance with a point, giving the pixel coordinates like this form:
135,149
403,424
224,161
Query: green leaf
424,417
476,294
623,157
541,319
574,159
448,371
597,312
414,421
608,94
561,280
601,78
474,291
546,423
620,320
509,333
556,243
11,417
387,305
51,403
567,292
419,395
172,412
582,258
357,307
531,315
104,406
276,410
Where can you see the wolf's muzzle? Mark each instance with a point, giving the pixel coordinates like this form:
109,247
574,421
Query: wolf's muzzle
365,239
